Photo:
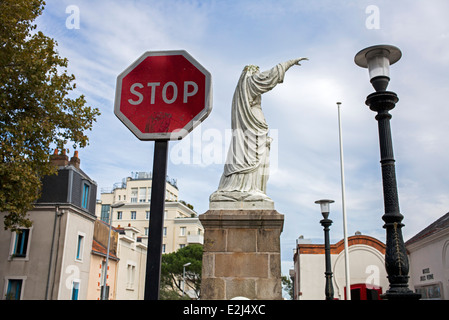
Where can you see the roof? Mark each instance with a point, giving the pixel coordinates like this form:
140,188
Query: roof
100,250
440,224
339,246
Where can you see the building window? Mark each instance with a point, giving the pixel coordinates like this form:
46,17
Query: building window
431,292
85,199
131,271
134,195
21,241
119,215
182,246
164,231
14,290
163,248
79,247
142,194
183,231
75,290
147,215
133,215
105,208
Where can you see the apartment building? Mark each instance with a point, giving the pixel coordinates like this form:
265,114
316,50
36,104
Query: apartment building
181,224
51,260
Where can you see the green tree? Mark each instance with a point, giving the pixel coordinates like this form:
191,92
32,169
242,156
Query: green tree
36,112
287,286
172,272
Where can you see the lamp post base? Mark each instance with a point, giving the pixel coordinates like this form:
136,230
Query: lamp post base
405,295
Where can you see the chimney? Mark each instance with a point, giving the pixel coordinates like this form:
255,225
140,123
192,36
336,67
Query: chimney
75,161
60,160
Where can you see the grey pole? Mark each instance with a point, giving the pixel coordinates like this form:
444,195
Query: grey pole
103,293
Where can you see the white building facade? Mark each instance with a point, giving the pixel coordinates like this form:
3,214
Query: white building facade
368,278
429,260
131,266
181,224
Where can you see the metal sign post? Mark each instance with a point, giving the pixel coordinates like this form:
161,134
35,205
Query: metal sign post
156,223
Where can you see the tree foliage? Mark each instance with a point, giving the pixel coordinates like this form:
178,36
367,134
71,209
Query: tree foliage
36,112
287,286
172,272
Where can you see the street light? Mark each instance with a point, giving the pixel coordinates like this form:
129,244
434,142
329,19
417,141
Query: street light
378,60
326,223
184,275
103,293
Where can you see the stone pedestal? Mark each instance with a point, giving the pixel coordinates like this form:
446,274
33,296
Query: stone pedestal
241,254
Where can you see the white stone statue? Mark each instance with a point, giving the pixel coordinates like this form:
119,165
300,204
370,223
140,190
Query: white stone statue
246,169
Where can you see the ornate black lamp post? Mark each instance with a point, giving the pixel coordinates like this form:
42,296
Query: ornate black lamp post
326,223
378,60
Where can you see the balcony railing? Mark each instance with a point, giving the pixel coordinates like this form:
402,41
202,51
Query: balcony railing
199,239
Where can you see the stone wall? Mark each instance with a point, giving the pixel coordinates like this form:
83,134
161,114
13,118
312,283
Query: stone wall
241,254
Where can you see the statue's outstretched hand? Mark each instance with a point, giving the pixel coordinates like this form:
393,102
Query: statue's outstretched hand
298,60
293,62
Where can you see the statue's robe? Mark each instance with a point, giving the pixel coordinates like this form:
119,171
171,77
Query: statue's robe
247,166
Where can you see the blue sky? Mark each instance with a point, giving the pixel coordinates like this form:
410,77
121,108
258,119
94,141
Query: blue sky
224,36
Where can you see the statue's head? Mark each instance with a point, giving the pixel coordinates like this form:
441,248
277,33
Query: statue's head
252,69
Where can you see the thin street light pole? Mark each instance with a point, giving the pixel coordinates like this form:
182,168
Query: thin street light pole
105,275
326,223
343,196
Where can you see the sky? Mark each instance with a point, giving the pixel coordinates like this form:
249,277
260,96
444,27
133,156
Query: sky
102,38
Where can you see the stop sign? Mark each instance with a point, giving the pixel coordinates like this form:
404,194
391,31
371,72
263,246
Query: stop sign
163,95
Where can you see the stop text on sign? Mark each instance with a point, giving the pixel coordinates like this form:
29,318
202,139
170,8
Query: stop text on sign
168,94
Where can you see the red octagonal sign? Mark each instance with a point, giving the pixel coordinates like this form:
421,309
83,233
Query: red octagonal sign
163,95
